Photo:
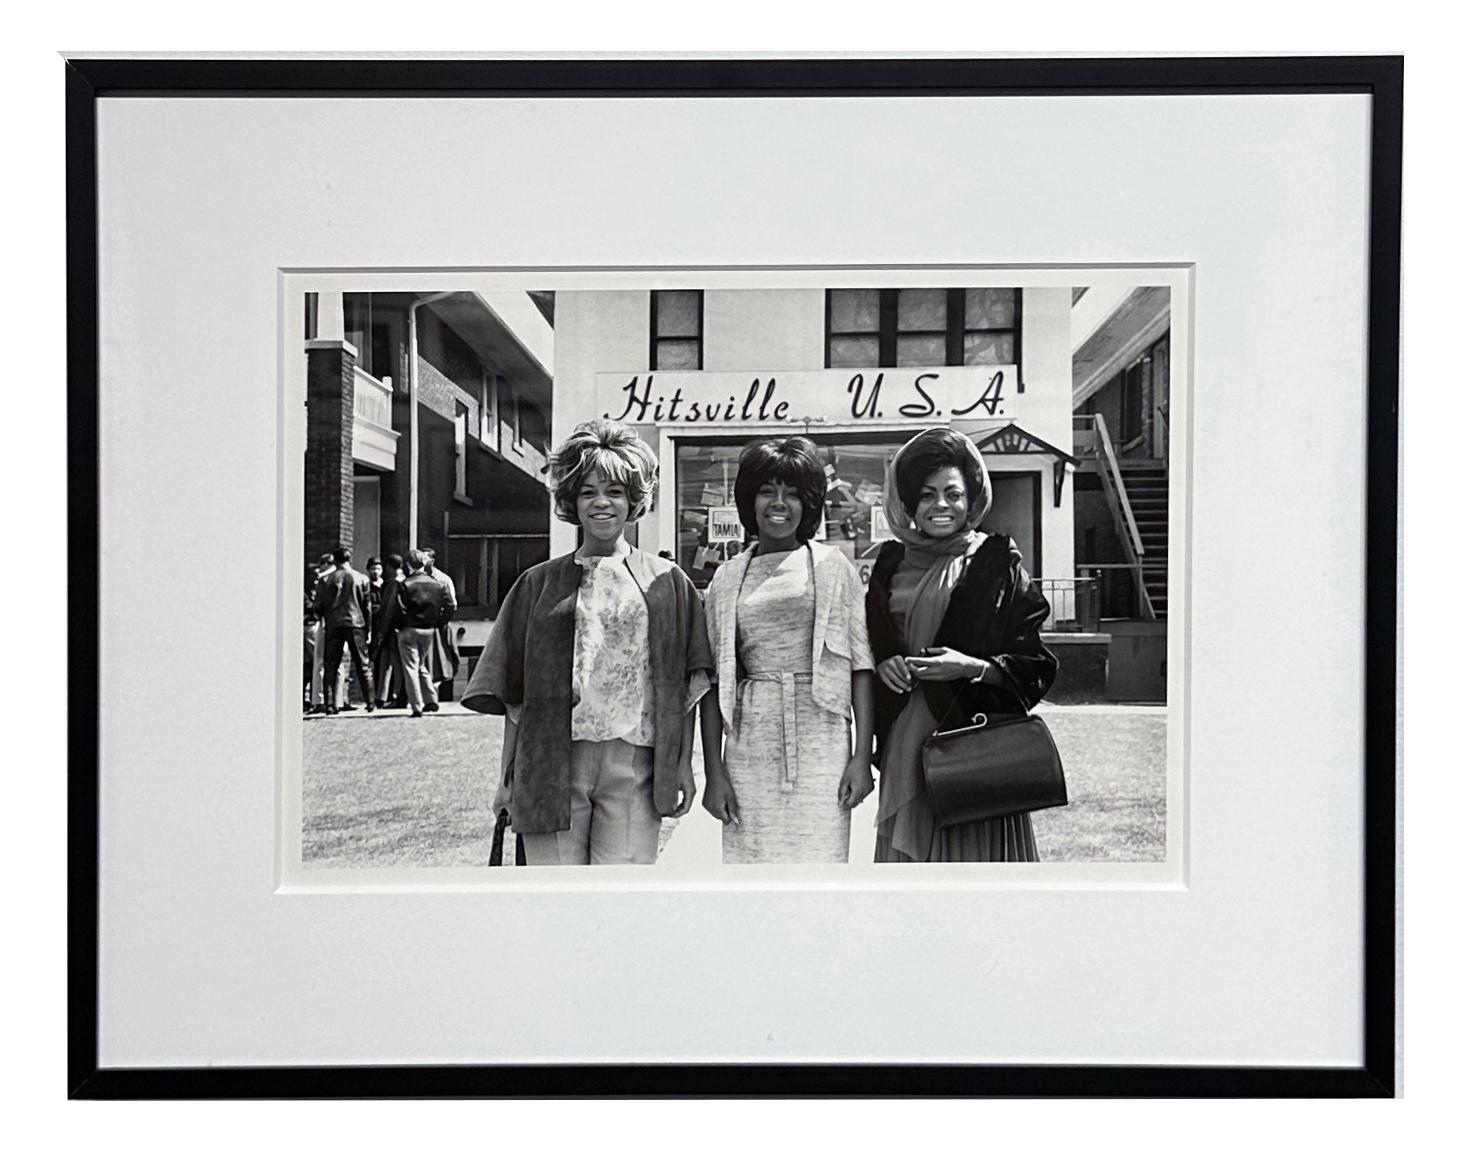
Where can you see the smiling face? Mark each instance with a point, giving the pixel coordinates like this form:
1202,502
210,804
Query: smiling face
942,508
603,509
778,510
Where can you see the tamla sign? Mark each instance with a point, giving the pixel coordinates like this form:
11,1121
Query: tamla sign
838,396
723,524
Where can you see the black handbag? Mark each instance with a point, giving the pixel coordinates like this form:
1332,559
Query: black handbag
1000,764
498,841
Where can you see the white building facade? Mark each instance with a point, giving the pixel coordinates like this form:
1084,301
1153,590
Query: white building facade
701,371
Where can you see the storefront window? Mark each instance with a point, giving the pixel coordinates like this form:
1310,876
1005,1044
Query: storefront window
705,487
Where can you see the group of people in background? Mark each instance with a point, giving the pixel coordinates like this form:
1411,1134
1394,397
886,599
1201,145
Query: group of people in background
805,680
394,626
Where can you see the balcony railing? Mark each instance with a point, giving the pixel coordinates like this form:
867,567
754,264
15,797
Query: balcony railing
374,440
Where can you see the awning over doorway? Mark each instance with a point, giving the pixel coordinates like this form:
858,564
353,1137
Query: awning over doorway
1014,441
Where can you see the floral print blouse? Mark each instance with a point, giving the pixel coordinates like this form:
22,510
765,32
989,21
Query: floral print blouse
613,682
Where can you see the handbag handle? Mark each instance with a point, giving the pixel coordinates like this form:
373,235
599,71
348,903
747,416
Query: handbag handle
980,718
498,838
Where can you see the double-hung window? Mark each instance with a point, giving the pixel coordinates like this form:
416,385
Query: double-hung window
914,327
676,330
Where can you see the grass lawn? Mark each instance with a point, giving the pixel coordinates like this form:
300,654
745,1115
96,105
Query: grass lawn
388,790
1115,766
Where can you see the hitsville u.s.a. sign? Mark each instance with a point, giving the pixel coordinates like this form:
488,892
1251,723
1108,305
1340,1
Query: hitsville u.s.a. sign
838,396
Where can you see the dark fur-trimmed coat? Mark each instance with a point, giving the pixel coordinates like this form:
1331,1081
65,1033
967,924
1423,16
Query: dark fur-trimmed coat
528,663
996,613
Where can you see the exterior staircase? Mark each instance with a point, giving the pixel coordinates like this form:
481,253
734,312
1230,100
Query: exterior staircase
1146,491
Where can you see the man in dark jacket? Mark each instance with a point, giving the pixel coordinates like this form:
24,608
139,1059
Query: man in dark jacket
343,604
446,658
315,638
424,606
384,642
375,601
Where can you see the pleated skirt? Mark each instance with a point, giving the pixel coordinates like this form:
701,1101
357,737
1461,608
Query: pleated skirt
1005,838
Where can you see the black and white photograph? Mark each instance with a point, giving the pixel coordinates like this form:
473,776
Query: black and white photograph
747,577
863,571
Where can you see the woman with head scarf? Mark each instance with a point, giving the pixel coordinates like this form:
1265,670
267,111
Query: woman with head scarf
597,659
954,621
786,623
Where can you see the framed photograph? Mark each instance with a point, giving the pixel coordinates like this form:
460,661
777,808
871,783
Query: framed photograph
675,462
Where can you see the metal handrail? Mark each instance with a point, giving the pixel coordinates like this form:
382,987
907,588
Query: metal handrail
1117,482
1120,509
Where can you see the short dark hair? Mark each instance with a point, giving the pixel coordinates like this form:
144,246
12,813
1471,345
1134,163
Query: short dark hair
793,461
937,448
341,555
416,559
372,562
396,561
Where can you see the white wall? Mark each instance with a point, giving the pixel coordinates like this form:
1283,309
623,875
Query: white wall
1048,366
1047,412
597,331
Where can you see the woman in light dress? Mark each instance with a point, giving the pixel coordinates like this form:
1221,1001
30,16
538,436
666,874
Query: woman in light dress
786,622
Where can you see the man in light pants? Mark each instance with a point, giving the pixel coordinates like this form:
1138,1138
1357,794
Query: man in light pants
424,605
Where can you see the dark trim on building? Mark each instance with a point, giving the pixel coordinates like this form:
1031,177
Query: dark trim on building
1018,338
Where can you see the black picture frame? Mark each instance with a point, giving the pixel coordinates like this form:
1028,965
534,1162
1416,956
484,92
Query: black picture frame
1381,77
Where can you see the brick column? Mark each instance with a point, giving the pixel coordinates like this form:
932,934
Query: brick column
329,476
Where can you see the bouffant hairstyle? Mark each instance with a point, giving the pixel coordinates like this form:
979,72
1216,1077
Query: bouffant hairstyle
607,447
940,448
792,461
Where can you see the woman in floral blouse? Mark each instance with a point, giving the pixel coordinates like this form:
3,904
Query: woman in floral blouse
597,660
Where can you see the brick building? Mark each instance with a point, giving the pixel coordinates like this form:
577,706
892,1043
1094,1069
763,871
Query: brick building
427,425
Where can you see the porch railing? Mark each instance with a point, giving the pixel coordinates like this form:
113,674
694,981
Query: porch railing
1074,604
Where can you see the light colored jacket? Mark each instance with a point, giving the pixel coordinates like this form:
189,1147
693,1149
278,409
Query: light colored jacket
840,638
